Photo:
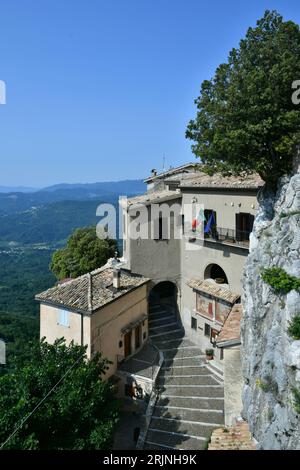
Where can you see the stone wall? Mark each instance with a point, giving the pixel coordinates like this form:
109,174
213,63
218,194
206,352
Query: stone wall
271,358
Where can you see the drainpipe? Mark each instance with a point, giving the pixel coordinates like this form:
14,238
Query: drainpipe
81,329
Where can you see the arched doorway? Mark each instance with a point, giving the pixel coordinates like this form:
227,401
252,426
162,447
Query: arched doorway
214,271
163,293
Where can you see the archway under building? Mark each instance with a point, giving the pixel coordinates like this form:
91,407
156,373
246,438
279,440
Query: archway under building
163,293
215,272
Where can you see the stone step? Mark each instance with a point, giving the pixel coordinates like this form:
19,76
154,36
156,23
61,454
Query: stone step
215,369
190,361
162,336
159,314
174,343
157,439
186,414
186,427
172,325
183,352
194,370
193,391
158,310
189,380
205,403
162,321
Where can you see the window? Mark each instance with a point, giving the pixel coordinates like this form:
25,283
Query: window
160,227
210,223
207,330
244,225
213,335
194,323
63,318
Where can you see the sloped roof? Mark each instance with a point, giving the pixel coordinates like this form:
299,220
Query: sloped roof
231,330
171,171
155,197
215,290
203,180
91,291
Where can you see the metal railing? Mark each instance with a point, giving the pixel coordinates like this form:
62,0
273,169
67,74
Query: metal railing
223,235
228,235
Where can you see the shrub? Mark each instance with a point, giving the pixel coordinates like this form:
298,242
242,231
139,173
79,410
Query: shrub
296,400
294,327
209,352
280,280
267,385
288,214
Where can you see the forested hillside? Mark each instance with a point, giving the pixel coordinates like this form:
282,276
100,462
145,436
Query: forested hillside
32,227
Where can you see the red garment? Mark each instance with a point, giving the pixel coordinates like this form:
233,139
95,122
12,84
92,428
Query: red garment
194,224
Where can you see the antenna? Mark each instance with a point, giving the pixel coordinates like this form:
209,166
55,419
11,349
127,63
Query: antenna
164,163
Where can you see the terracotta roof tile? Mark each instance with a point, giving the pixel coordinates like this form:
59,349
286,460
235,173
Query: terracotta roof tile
215,290
91,291
237,437
155,197
203,180
231,330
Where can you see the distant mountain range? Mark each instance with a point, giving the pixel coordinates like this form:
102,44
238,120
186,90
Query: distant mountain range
17,189
19,201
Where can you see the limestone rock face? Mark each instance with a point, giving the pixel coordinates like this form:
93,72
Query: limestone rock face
271,358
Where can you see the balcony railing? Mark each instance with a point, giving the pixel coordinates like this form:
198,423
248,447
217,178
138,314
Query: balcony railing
229,236
223,235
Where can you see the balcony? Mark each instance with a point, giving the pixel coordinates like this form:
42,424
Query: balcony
229,237
225,236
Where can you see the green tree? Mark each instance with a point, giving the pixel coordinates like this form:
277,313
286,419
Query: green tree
246,120
79,413
84,252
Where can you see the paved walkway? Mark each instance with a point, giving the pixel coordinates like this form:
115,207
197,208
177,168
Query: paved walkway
191,398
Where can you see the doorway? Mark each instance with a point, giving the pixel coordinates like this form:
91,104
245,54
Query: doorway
138,332
127,344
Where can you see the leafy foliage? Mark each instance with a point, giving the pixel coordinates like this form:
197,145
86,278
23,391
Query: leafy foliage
17,331
267,385
81,411
83,253
246,121
294,328
280,280
23,273
296,400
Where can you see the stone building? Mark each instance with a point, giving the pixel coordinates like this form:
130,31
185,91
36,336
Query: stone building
107,310
203,269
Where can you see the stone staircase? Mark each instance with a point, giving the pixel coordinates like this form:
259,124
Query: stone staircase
190,399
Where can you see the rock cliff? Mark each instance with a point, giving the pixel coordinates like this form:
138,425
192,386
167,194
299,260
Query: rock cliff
270,356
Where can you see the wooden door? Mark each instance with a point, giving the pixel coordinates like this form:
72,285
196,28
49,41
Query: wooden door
138,337
127,344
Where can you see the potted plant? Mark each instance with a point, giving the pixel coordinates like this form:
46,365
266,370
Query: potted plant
209,354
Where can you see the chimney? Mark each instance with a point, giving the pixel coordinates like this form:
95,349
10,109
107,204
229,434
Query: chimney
153,172
90,292
116,278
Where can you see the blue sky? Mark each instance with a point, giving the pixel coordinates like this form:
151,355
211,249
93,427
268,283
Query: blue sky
102,90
